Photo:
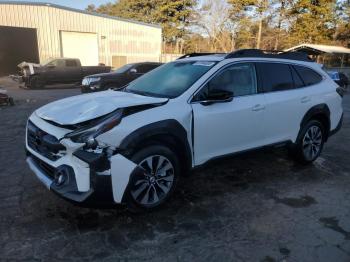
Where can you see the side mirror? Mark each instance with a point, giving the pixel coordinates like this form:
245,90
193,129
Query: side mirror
217,96
51,66
133,71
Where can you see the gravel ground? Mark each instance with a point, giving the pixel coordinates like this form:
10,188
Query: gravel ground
255,207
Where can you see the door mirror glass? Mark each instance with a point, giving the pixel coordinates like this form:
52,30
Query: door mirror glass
217,96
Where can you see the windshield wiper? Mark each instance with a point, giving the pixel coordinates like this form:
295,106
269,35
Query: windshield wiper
142,93
123,88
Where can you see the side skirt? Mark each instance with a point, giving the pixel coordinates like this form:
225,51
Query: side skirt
231,155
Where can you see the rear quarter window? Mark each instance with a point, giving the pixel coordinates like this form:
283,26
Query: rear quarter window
309,76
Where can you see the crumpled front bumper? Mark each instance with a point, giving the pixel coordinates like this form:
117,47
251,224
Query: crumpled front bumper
106,187
87,177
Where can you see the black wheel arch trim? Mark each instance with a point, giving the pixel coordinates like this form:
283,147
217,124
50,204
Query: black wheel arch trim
317,110
164,128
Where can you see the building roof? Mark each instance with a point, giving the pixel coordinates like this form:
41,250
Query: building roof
77,11
319,49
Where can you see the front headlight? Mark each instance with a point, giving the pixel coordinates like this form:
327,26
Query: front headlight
90,80
87,134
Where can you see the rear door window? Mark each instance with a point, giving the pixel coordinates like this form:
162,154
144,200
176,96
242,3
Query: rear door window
309,76
275,77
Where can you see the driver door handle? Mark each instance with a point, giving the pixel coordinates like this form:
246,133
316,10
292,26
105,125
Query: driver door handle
258,107
305,99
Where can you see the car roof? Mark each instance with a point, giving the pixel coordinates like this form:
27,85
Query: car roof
221,57
267,55
214,58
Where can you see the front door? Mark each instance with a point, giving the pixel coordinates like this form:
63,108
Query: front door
55,71
229,127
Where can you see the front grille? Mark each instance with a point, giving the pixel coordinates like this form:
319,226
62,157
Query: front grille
48,170
36,140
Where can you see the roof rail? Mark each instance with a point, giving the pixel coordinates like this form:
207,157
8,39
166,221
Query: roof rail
197,54
301,56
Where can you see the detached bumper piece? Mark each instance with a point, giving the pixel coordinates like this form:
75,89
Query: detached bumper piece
61,180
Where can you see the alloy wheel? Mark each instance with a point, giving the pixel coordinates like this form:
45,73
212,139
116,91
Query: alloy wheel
155,182
312,142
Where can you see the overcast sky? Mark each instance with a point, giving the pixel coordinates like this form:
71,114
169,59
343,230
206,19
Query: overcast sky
79,4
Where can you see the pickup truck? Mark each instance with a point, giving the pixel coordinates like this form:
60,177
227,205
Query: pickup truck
57,71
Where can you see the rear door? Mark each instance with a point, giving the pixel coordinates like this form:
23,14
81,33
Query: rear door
286,101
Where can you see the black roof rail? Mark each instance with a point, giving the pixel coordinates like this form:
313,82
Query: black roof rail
301,56
198,54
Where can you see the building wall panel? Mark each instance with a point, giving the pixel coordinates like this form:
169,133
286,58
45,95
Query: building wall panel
136,41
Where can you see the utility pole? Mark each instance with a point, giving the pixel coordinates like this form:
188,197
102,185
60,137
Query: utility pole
258,42
262,9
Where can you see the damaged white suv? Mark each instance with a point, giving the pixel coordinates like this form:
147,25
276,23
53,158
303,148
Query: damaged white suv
132,146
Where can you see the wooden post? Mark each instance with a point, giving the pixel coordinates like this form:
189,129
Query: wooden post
258,43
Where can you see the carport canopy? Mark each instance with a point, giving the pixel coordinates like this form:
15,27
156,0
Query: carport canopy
312,49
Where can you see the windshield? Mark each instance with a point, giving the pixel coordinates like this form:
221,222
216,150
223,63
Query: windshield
170,80
123,69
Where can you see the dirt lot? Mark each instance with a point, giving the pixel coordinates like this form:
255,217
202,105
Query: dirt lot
256,207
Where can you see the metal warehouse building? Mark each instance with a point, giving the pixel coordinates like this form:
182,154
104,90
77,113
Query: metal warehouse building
35,32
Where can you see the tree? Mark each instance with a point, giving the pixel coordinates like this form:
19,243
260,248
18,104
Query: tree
313,21
212,19
342,33
257,10
172,15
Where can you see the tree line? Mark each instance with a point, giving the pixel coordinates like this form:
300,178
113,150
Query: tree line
225,25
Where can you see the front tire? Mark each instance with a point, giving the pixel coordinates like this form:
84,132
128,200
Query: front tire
310,142
153,186
34,83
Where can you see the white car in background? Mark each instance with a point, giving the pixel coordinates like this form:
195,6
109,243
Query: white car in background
132,146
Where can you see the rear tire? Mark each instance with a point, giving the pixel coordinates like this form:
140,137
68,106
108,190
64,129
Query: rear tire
310,141
152,187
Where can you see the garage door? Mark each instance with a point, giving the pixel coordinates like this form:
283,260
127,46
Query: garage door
17,45
80,45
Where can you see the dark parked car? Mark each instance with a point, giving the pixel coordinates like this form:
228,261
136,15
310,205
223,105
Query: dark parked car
340,78
57,71
118,78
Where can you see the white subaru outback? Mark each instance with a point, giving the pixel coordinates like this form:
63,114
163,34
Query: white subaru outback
132,146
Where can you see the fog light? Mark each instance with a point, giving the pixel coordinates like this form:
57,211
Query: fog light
60,178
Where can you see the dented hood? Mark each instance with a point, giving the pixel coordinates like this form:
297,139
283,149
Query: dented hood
78,109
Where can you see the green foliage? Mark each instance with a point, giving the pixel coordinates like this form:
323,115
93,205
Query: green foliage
172,15
314,21
223,25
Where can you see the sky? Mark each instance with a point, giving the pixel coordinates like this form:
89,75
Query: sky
79,4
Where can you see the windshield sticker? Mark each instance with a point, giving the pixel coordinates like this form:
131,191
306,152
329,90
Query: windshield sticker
204,63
